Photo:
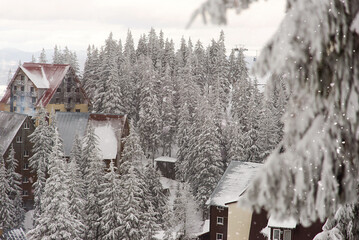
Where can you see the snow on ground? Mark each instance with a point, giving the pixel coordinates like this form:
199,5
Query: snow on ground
194,223
28,220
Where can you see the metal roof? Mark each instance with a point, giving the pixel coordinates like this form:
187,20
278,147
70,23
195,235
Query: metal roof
108,127
10,124
69,124
233,182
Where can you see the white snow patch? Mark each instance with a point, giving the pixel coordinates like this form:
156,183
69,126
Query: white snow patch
107,141
266,232
28,220
166,159
285,223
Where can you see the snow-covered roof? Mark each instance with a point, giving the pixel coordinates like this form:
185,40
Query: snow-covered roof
10,124
233,182
108,128
43,76
166,159
289,223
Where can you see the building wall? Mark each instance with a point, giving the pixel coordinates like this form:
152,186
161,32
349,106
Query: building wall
259,222
4,107
215,228
28,178
239,222
24,95
69,95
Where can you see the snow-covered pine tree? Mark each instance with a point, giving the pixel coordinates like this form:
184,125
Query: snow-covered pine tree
207,161
6,204
235,143
168,225
133,205
76,186
141,47
42,58
110,200
39,160
151,226
56,220
168,114
108,77
183,136
199,65
57,58
129,50
320,60
132,151
15,194
149,122
94,178
154,193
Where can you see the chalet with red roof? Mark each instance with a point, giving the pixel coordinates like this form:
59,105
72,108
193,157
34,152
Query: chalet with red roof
53,86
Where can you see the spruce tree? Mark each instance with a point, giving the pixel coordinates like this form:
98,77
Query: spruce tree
94,177
56,220
15,193
6,204
111,219
149,122
39,160
42,58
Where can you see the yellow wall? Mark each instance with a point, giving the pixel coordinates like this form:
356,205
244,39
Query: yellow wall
4,107
61,107
239,222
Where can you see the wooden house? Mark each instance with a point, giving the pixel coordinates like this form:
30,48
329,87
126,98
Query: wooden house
166,165
15,129
224,223
110,129
53,86
289,229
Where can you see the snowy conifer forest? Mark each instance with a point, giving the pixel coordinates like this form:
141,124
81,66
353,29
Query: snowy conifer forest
196,103
202,105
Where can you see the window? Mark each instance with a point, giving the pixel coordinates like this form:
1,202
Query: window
31,89
77,100
68,110
57,100
77,90
15,88
26,153
220,208
22,109
22,77
15,98
276,234
58,90
18,139
287,235
69,100
25,180
26,166
219,236
219,220
68,89
33,99
26,125
22,88
57,110
24,193
15,109
22,98
78,110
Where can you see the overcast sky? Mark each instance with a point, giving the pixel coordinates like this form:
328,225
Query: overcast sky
36,24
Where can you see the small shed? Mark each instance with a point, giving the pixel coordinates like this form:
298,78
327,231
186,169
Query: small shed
166,165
